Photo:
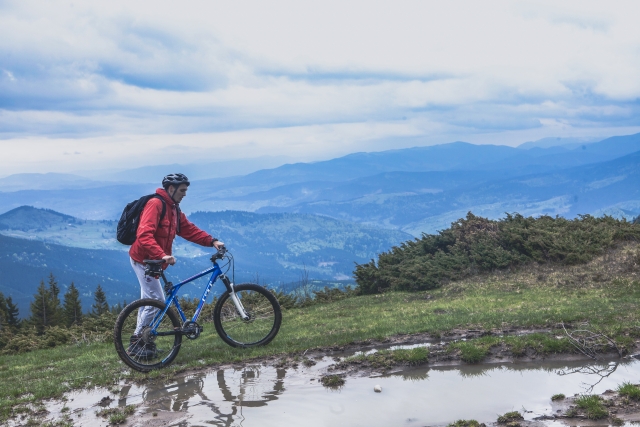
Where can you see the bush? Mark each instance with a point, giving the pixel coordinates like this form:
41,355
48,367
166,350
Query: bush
93,329
475,244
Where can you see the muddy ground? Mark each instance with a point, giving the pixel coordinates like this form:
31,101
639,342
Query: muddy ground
154,414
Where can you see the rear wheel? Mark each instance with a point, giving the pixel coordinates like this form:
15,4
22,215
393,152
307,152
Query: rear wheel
147,350
264,320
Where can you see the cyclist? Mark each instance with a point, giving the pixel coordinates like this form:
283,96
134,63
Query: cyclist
154,240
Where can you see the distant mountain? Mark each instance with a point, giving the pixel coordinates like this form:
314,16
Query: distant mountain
567,143
24,263
272,244
361,187
46,181
572,191
92,203
198,171
274,247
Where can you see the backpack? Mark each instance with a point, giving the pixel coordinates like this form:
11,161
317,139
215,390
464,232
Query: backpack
128,224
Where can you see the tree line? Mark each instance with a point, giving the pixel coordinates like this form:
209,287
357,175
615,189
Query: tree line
47,310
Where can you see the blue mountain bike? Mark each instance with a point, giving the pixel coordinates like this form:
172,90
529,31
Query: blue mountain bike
245,315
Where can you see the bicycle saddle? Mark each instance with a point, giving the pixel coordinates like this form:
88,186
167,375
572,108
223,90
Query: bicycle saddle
153,268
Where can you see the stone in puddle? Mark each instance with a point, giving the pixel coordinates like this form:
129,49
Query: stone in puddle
377,389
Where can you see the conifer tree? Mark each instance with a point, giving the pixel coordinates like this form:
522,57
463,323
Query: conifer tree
57,316
3,313
13,313
100,305
72,308
41,309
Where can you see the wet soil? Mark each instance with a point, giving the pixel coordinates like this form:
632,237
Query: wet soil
176,401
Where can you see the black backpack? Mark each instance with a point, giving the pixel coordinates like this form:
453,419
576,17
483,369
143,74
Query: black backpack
128,224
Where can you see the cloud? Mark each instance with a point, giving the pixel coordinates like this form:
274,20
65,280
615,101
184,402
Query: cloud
99,71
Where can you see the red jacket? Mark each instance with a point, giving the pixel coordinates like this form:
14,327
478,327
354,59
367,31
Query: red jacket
155,238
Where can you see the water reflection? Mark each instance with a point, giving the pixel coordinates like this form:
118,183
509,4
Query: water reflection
269,396
596,372
223,393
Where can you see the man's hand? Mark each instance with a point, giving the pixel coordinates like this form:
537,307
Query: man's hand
218,244
169,259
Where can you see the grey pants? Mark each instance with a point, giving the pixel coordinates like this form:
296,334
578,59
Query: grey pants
149,288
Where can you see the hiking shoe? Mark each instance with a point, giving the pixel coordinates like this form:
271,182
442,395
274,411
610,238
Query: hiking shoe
138,349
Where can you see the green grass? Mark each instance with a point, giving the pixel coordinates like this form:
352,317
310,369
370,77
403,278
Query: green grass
593,407
629,390
387,358
465,423
332,381
521,299
510,417
557,397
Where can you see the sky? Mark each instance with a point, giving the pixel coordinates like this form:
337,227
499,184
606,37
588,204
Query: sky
121,84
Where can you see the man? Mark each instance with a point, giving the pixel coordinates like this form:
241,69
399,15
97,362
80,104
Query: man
154,240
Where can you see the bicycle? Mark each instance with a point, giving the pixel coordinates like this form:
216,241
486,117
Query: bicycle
245,315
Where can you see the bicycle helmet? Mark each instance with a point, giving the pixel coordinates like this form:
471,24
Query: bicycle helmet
175,179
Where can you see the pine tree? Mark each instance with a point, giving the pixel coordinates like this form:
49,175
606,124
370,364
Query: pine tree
13,314
72,308
41,309
100,305
3,313
57,316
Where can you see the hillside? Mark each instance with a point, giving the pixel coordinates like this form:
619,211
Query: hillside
475,245
579,190
275,248
24,263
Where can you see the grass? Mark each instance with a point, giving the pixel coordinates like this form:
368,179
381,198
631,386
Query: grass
388,358
332,381
629,390
605,293
117,415
593,407
465,423
510,417
557,397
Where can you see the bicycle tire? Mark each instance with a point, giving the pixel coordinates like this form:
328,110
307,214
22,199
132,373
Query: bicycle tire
167,347
263,309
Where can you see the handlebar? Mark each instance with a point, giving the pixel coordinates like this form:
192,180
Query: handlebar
219,254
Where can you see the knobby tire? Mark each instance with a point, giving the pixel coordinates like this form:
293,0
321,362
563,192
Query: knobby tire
167,346
260,329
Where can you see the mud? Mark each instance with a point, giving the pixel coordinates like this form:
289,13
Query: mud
288,390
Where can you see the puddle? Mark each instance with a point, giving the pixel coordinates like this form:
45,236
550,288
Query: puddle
268,396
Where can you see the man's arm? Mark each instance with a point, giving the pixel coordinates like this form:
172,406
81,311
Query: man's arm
149,220
193,234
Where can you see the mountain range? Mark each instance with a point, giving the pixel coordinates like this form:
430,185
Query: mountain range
316,217
273,249
415,190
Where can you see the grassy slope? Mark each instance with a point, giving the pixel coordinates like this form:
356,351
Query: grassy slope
605,292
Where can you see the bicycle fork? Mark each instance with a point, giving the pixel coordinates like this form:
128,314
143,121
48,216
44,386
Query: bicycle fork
236,301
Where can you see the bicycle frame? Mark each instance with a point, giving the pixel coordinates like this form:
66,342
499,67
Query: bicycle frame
216,274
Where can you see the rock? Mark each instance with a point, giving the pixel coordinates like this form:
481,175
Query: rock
377,389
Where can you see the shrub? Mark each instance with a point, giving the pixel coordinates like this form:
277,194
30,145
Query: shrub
475,244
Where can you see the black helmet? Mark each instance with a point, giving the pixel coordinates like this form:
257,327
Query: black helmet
175,179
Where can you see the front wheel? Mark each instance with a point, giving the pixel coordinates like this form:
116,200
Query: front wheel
140,347
264,319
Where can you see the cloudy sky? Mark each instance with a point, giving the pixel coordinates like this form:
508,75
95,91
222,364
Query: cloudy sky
87,85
